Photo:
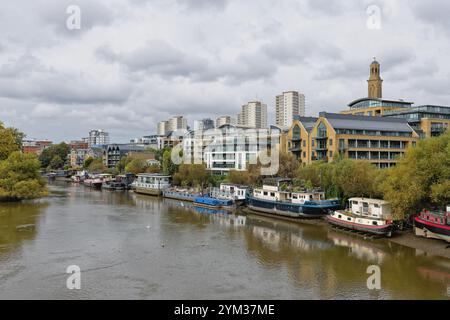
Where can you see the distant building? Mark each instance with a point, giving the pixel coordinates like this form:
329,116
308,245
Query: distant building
378,140
204,124
222,120
287,105
35,146
74,144
114,152
253,115
98,137
163,128
78,156
177,123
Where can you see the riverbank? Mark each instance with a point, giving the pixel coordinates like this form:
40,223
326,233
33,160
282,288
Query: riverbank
431,247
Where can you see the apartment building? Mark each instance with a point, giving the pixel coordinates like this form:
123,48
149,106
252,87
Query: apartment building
288,105
378,140
253,115
98,137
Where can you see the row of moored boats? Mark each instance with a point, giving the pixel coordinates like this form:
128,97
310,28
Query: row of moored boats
278,197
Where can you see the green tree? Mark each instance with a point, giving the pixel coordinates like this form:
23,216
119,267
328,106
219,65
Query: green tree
168,167
87,162
288,165
20,177
136,166
8,142
97,165
62,150
56,163
421,178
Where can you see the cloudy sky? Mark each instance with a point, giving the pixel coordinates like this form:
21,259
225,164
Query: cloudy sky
136,62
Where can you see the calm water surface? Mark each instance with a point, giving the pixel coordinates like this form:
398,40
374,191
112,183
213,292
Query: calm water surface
138,247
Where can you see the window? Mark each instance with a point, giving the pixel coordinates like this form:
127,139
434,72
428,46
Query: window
374,223
272,194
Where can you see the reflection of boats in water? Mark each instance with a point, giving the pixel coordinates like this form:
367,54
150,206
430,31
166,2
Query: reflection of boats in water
362,249
275,232
435,274
206,210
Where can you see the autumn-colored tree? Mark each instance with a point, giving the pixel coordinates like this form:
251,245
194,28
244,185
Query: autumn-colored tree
97,165
288,165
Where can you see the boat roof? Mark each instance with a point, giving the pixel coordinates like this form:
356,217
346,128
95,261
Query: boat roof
235,185
154,175
376,201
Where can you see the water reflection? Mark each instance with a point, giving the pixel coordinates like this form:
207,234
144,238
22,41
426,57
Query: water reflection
19,222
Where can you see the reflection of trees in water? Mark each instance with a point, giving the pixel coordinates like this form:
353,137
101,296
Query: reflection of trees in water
18,222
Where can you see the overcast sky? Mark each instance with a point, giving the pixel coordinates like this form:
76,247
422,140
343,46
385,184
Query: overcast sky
136,62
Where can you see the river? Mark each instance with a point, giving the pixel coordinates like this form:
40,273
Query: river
129,246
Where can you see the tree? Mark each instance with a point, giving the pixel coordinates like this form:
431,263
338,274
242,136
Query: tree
288,165
96,165
87,162
18,137
56,163
61,150
8,142
168,167
20,177
421,178
192,175
136,166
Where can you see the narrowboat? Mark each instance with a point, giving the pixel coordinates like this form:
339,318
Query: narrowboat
180,194
126,179
96,181
433,224
277,197
113,185
214,203
366,215
237,193
152,184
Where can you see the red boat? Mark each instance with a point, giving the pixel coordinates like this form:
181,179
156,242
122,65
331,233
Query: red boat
433,224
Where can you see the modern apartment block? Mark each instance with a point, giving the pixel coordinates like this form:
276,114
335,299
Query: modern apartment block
229,147
253,115
98,137
163,128
287,105
378,140
427,120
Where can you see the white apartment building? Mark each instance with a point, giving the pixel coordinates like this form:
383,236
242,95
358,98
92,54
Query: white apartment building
287,105
228,148
253,115
98,137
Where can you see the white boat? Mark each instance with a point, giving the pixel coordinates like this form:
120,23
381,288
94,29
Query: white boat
366,215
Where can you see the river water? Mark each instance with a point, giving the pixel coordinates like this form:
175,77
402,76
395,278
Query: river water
139,247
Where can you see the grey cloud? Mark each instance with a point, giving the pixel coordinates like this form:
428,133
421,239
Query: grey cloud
433,12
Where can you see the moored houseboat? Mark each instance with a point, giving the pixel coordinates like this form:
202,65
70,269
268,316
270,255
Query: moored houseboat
230,191
433,224
151,183
367,215
113,185
180,194
278,197
214,203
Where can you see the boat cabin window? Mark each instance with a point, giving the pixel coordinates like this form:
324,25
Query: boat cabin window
375,223
355,202
339,216
272,194
349,219
294,196
365,207
376,205
265,193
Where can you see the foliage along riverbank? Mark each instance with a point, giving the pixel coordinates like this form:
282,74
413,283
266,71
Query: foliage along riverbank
20,178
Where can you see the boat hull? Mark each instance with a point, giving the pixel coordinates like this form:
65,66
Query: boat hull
384,230
291,210
148,191
431,230
179,196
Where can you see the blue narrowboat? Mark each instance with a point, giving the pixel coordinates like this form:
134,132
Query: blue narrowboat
278,197
214,203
